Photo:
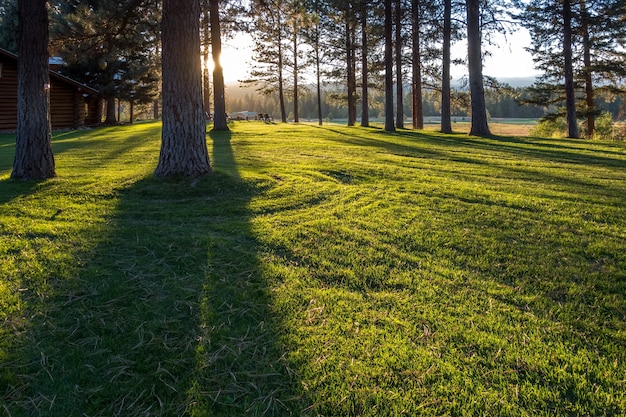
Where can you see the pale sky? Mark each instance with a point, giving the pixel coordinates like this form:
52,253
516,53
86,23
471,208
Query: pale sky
509,59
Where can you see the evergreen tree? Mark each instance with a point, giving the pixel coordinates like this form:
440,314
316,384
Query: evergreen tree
269,38
592,30
8,25
110,45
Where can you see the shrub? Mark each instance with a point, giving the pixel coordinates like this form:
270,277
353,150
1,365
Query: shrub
550,128
604,127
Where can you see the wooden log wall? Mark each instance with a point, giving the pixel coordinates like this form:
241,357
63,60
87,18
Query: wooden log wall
8,94
68,106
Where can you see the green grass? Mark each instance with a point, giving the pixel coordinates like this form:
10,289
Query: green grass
318,271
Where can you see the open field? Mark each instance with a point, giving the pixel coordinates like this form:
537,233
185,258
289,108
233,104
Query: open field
325,271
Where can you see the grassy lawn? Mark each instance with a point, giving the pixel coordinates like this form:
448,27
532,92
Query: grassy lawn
326,271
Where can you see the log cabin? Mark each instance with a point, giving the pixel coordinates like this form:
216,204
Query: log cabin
72,104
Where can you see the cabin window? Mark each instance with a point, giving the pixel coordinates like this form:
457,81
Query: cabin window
0,69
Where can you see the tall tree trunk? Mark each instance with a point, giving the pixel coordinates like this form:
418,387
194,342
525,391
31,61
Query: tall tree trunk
296,118
389,122
365,107
318,64
475,68
206,43
33,149
417,112
219,99
318,73
281,81
183,138
446,123
399,80
570,99
110,118
350,69
589,93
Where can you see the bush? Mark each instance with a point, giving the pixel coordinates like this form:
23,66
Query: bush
550,128
604,127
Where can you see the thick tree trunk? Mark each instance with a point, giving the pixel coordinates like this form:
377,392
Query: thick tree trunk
33,150
570,99
206,43
475,68
365,106
399,80
219,99
183,147
110,117
589,92
389,122
446,122
417,113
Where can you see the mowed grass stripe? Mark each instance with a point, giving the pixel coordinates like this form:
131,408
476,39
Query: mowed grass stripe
319,271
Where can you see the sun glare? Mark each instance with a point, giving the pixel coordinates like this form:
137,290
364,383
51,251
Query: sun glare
235,59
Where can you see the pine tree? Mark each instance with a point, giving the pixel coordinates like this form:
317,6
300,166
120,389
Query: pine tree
110,45
593,31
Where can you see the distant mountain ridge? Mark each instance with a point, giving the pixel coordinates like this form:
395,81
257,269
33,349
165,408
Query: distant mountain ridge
518,81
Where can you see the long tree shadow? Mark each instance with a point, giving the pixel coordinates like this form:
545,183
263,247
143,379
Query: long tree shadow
240,368
167,314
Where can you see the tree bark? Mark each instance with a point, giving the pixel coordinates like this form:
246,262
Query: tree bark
416,78
589,91
183,139
570,99
206,43
296,117
110,117
219,99
281,80
446,123
365,107
479,125
399,80
318,73
389,122
350,68
33,148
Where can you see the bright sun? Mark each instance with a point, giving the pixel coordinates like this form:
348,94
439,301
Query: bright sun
236,57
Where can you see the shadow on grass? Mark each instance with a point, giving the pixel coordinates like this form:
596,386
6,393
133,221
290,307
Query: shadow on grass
168,313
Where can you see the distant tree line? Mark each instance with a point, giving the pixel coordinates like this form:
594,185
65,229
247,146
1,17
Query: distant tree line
500,103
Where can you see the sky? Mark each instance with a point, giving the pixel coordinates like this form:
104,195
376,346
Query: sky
508,60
